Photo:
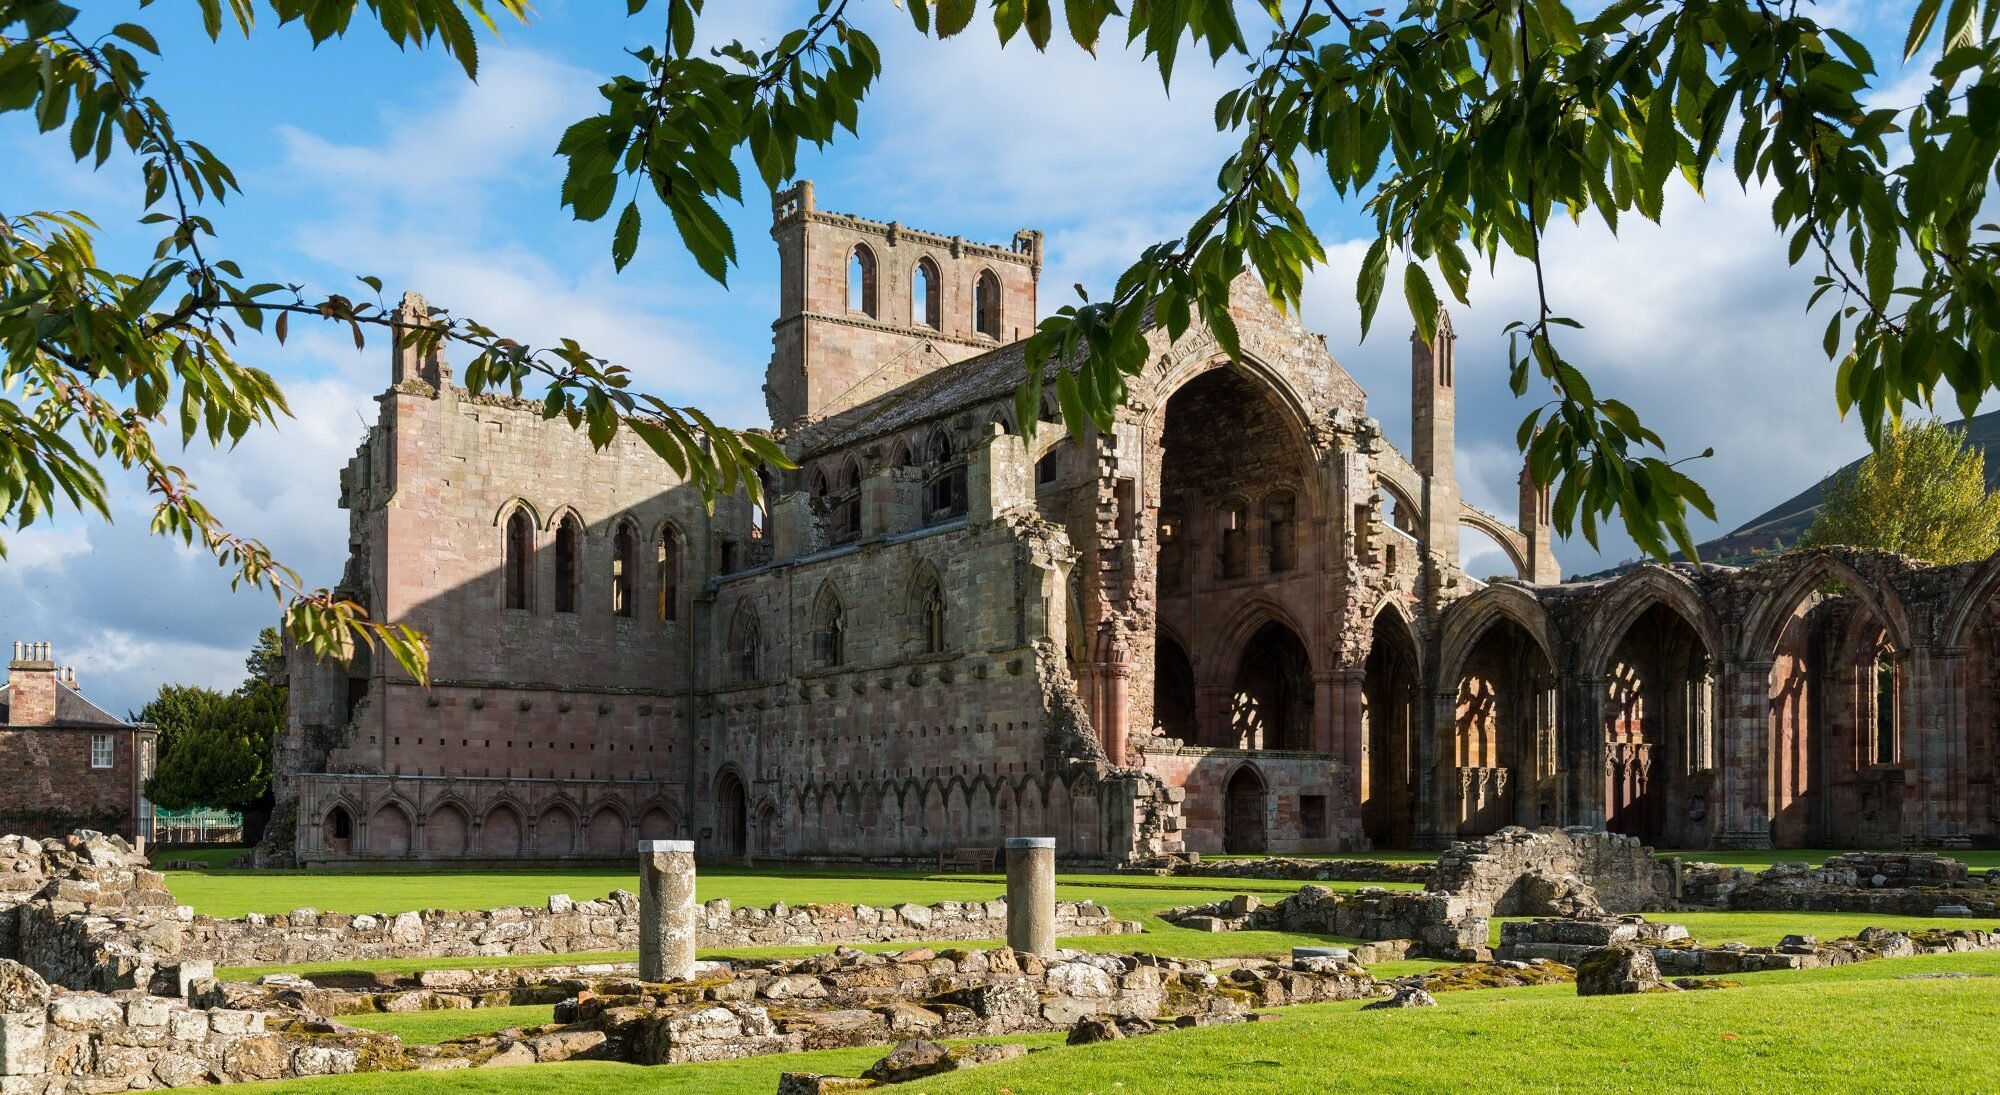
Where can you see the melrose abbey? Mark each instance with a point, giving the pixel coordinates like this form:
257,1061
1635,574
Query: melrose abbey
1236,622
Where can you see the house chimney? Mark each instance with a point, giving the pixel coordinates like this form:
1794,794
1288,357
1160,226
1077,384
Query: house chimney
31,686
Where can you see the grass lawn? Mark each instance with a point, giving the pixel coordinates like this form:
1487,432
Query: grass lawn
1853,1028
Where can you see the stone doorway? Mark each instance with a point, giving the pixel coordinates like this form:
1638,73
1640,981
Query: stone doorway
732,822
1243,814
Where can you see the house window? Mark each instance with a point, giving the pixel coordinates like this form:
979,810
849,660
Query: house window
100,750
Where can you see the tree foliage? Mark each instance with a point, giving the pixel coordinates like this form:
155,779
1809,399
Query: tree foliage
214,748
1921,493
1464,126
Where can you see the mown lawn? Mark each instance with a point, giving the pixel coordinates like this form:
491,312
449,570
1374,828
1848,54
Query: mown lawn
1878,1026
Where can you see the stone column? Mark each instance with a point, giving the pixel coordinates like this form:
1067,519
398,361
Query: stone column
1743,780
1115,679
1031,894
667,921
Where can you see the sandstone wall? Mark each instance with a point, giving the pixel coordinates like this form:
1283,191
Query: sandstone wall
1517,872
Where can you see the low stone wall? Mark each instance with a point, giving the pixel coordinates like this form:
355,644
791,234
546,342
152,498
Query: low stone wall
1886,883
55,1041
1306,870
1548,871
97,918
564,926
1568,941
1435,925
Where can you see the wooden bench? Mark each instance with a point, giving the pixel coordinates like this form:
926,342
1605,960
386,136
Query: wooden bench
985,860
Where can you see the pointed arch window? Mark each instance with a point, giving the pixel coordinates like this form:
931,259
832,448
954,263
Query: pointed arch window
1882,746
569,559
1281,521
667,561
1233,561
829,634
746,644
847,508
861,295
931,614
925,309
520,561
986,304
624,565
944,491
1172,568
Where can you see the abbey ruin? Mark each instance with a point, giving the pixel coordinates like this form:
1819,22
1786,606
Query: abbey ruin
1236,622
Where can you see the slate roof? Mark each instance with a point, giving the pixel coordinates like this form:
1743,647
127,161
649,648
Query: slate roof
72,710
976,380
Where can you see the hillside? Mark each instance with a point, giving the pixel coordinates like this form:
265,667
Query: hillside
1784,523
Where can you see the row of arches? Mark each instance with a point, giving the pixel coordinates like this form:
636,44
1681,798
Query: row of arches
447,829
1783,706
864,293
565,582
926,817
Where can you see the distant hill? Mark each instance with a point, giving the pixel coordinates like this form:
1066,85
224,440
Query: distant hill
1783,524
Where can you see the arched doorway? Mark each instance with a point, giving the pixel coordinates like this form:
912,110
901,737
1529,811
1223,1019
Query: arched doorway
1243,814
1500,751
1388,711
1271,702
337,834
731,818
1659,732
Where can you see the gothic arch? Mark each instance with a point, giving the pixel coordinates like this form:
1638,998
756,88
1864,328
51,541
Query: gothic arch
1621,604
1508,539
828,629
1971,604
926,294
1466,621
448,827
863,281
1250,618
604,833
506,510
392,828
503,828
1162,384
556,516
1764,627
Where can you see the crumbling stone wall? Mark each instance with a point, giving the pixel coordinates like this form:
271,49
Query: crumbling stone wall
1431,925
1570,940
1890,883
1522,872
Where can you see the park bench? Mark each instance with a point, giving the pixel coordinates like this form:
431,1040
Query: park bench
969,859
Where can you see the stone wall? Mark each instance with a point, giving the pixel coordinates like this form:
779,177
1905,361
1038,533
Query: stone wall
1300,870
1569,940
1522,872
1889,883
56,1041
1433,925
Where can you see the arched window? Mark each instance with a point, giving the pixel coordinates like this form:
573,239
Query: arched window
986,304
899,454
924,295
569,557
667,560
624,565
847,510
746,642
929,603
1883,750
1051,408
1172,567
1281,518
1049,468
944,492
1233,561
861,282
829,634
520,568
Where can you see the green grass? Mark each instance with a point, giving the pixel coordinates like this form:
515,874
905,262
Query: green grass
1852,1028
431,1027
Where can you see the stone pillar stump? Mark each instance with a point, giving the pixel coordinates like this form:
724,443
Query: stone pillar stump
667,921
1031,894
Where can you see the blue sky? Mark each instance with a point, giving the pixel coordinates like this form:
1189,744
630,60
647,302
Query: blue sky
360,159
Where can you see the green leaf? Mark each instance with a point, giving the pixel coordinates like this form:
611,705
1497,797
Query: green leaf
625,241
1422,299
